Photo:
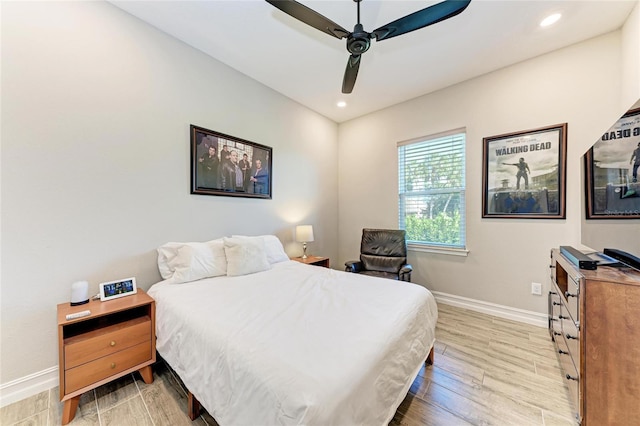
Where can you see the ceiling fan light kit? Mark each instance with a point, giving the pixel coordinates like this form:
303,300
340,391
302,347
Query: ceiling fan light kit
359,41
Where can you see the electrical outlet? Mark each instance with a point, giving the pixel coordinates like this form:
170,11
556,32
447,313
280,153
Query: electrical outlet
536,288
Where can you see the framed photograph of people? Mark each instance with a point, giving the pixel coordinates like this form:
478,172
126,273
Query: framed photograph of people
611,170
229,166
524,174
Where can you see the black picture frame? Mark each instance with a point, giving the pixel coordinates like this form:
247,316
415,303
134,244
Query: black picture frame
235,168
524,174
611,165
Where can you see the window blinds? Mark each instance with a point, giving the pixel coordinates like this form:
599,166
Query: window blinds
431,177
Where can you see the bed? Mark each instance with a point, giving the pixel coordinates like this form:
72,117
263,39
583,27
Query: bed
290,343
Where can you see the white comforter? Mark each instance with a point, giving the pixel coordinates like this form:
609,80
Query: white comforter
297,344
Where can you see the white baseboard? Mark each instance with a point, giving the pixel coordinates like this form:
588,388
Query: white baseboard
27,386
507,312
46,379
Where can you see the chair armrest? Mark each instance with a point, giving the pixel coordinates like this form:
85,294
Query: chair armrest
353,266
406,269
405,273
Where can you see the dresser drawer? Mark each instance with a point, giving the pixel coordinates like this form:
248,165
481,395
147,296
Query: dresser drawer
571,378
572,338
90,346
572,297
102,368
569,370
555,328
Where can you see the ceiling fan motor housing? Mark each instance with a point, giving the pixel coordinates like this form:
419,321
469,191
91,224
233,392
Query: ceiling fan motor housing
358,41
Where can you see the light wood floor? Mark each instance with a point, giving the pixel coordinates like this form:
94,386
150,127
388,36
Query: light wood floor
487,371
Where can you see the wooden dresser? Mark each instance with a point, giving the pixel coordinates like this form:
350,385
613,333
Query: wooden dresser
594,321
116,339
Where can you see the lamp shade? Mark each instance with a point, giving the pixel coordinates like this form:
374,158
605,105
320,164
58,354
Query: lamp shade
304,233
79,293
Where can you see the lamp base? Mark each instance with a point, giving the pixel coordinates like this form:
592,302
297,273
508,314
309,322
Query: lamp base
304,251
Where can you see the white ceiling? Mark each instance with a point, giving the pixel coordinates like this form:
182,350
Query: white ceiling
307,65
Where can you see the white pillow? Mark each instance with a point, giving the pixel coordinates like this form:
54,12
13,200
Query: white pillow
166,253
245,256
272,246
183,262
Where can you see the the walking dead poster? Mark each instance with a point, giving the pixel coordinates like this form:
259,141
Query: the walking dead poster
524,174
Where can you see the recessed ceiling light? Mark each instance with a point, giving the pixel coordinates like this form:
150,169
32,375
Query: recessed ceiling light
550,20
341,104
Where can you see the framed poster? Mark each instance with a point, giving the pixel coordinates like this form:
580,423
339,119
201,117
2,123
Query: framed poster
229,166
524,174
611,169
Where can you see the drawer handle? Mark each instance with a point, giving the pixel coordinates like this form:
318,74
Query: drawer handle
555,333
567,294
571,378
568,336
557,303
113,365
113,343
552,292
561,352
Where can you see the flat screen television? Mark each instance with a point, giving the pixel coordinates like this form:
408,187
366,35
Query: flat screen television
623,257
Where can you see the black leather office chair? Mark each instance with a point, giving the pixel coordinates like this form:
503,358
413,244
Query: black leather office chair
383,253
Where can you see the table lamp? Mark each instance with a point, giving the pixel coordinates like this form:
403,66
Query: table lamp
304,235
79,293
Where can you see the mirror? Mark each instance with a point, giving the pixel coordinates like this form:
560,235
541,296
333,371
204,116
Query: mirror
610,190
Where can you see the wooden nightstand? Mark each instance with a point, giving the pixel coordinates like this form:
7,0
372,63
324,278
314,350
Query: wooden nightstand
118,338
313,260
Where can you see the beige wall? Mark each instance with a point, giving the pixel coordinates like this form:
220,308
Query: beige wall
579,85
96,108
631,58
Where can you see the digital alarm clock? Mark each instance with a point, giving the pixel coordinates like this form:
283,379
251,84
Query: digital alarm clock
120,288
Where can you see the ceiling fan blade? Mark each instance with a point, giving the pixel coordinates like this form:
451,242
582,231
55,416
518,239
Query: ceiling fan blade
420,19
350,74
310,17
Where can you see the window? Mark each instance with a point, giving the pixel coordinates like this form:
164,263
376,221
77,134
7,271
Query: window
431,191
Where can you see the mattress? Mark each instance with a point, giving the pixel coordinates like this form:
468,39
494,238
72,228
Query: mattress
297,344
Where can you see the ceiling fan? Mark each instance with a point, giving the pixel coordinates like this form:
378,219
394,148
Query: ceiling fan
358,41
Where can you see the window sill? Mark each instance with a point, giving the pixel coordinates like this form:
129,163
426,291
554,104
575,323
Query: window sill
438,250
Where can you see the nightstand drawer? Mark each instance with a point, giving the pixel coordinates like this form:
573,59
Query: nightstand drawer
90,346
102,368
